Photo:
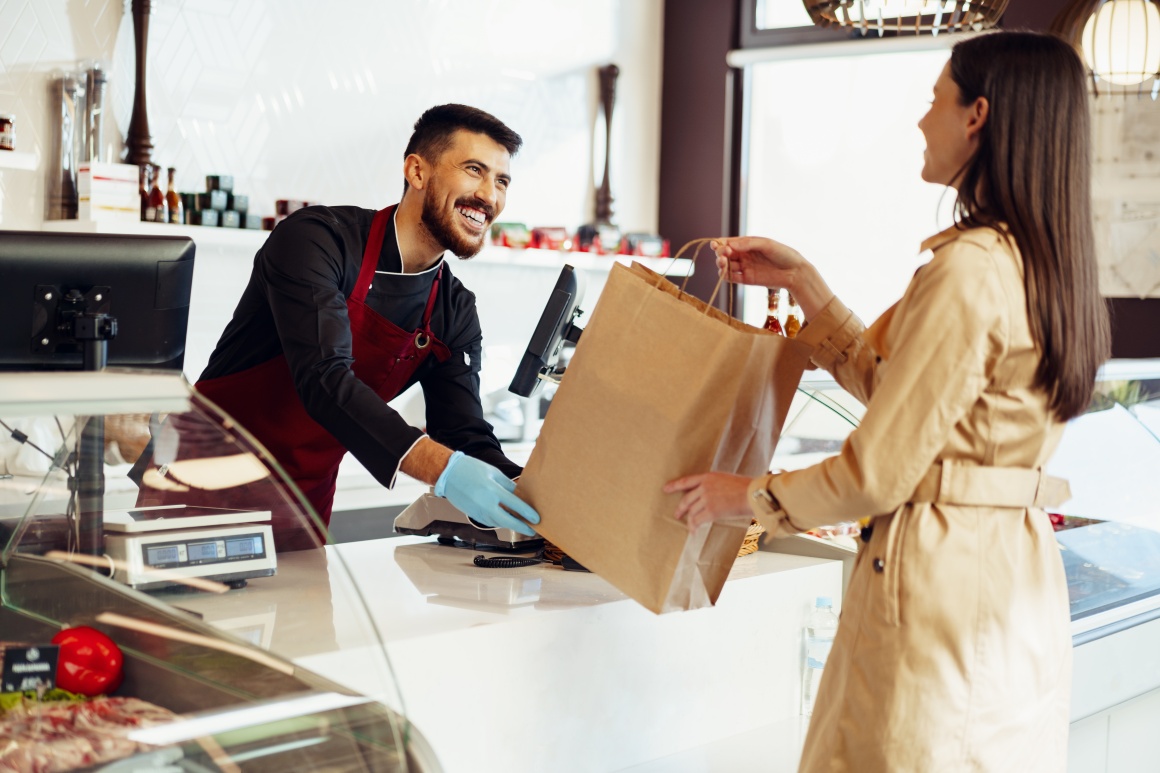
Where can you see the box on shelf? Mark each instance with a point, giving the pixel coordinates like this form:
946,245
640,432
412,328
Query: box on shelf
108,192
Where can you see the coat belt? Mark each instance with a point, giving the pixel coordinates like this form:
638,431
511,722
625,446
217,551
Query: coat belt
951,483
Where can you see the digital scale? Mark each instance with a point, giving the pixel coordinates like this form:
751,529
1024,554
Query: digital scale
153,547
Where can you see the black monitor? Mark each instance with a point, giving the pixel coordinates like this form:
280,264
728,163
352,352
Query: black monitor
84,301
557,325
61,292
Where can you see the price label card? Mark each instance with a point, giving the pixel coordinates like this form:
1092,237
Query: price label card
28,667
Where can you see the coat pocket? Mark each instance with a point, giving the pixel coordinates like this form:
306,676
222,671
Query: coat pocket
887,560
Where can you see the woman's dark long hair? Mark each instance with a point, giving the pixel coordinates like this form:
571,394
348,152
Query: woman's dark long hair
1032,172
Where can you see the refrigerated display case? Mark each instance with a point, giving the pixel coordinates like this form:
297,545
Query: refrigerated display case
127,502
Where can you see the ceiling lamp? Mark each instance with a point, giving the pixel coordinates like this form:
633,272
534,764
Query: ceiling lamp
1119,40
905,17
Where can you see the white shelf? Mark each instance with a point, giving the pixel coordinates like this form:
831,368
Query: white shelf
509,256
490,255
14,159
202,234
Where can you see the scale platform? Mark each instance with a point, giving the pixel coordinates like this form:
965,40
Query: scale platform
157,547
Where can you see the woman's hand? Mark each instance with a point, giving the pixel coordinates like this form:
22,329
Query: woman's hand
710,497
755,260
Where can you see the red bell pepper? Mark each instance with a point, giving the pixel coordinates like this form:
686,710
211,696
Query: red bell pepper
89,663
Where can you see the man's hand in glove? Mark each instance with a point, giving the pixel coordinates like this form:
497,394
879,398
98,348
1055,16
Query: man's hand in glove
482,492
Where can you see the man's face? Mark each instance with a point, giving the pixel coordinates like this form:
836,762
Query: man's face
466,192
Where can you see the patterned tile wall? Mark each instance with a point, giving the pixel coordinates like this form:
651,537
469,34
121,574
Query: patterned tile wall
308,100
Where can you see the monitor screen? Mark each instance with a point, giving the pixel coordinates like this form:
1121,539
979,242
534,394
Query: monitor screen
143,282
556,325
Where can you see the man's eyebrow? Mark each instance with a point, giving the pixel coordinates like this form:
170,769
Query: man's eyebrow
486,168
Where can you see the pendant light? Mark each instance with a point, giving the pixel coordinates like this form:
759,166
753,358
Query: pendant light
1119,41
906,17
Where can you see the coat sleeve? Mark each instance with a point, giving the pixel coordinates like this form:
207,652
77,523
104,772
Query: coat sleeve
303,270
947,333
836,335
451,392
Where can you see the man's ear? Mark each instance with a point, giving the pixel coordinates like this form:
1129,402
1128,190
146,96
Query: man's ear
977,118
415,171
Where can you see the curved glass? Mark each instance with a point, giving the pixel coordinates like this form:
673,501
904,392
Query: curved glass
131,505
1108,531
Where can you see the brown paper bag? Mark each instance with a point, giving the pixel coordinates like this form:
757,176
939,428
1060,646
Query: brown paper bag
660,385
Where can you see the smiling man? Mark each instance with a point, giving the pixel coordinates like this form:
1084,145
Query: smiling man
347,307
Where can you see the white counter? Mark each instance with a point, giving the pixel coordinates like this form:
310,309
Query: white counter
540,669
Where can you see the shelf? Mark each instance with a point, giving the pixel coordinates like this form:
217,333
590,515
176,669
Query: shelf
240,237
490,255
509,256
14,159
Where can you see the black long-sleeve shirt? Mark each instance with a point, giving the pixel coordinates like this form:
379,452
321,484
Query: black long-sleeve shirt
295,304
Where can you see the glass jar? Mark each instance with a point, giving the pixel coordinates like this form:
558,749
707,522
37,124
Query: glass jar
7,131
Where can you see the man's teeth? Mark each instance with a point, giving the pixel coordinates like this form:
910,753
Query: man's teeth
473,215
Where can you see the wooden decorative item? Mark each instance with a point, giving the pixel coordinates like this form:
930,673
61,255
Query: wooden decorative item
905,17
608,76
139,142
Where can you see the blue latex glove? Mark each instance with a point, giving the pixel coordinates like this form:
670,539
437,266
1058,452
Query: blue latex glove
478,489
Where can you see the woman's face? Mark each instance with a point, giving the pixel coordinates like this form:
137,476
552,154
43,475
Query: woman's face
951,130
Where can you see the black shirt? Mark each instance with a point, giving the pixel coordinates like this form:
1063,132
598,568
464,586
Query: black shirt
295,304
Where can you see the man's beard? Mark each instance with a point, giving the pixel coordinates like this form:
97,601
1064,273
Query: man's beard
441,225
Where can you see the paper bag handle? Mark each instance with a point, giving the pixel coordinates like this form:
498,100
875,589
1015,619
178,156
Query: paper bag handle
700,245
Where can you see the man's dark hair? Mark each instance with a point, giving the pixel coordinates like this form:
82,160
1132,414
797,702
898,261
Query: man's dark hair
434,129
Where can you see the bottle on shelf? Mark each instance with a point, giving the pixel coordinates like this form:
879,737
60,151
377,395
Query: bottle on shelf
821,626
793,318
156,211
772,323
173,201
143,188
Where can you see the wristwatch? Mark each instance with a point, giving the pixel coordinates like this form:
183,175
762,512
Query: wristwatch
761,499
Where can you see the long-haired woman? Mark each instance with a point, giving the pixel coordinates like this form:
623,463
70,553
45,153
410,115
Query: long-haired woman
954,649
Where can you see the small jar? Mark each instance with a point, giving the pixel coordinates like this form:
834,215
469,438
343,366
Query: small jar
7,131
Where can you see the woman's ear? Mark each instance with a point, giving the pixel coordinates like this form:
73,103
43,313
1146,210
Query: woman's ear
977,117
415,171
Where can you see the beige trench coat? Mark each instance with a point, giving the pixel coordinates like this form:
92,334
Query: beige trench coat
954,651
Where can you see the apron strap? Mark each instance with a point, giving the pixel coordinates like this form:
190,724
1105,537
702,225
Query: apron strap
370,261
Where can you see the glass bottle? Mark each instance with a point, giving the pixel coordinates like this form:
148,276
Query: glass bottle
143,188
821,626
173,201
157,211
772,323
793,318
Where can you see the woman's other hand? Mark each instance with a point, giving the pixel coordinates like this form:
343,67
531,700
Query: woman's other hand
710,497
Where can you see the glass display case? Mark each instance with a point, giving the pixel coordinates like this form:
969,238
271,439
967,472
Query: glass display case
1108,532
133,509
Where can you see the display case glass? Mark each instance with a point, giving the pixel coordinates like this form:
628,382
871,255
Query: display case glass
132,507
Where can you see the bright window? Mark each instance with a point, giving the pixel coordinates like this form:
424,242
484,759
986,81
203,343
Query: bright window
834,157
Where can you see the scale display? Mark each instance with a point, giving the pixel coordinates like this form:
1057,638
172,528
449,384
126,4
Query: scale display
195,552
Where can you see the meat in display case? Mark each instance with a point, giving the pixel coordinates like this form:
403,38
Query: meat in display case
107,541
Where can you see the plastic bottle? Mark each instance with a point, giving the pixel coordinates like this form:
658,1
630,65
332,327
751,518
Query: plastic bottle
821,626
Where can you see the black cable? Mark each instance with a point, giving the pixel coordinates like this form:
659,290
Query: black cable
20,437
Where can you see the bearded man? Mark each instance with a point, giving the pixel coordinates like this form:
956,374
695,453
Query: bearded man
347,307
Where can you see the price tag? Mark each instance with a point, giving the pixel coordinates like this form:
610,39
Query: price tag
28,667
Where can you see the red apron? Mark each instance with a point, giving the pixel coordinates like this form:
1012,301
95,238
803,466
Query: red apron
263,398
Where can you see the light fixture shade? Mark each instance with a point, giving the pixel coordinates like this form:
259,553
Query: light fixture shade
1119,41
917,17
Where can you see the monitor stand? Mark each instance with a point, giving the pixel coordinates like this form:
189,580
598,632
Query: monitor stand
93,331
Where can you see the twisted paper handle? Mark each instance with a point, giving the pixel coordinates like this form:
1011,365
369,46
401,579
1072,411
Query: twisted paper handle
700,245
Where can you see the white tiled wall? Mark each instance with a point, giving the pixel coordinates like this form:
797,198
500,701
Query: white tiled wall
311,100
